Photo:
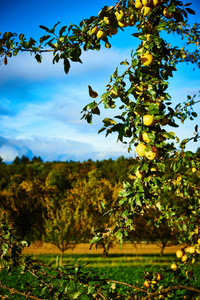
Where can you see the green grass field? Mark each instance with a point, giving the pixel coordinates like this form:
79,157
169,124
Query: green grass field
124,268
113,260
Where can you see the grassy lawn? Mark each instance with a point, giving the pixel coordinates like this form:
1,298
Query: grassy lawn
113,260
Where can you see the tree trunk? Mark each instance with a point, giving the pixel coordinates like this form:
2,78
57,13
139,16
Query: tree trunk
105,251
61,257
162,249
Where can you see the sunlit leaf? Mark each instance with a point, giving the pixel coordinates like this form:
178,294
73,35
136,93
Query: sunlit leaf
92,93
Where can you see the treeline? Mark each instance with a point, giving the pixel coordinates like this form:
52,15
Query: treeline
59,202
63,202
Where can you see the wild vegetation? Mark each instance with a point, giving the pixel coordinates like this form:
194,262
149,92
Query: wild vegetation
164,183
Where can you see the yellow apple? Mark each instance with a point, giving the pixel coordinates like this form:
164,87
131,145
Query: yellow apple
93,30
167,14
147,59
153,169
139,174
148,36
147,2
194,170
148,120
152,153
119,14
146,10
140,149
159,277
192,250
146,283
106,20
179,253
138,4
145,137
156,3
184,258
122,23
174,267
187,249
101,34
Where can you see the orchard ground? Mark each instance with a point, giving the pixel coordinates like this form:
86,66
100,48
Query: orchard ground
139,255
84,248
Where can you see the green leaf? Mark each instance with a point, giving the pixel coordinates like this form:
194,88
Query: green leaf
190,11
89,118
188,4
44,27
101,130
121,201
44,38
161,167
53,29
91,289
102,205
21,36
124,63
107,122
95,239
62,30
38,58
92,93
66,65
56,58
4,248
75,54
24,243
96,111
173,124
76,295
15,52
136,34
119,235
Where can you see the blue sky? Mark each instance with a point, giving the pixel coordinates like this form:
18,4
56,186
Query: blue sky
40,105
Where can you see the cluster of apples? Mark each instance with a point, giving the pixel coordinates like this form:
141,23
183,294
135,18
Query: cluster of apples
105,28
125,19
183,254
146,6
152,280
188,253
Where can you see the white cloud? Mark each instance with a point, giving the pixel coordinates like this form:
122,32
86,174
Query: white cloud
8,153
50,149
25,66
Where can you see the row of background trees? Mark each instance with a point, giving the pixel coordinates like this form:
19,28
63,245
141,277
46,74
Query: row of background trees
63,202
